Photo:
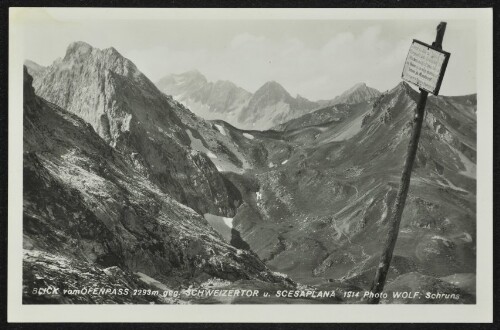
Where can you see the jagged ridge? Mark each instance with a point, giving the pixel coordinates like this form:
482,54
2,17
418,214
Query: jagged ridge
127,110
84,202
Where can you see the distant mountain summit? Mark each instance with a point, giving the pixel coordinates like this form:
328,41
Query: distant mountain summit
211,100
185,83
272,105
356,94
272,91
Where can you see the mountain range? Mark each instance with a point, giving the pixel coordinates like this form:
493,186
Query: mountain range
209,100
269,106
358,93
124,184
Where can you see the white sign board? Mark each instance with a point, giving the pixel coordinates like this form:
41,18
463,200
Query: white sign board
425,66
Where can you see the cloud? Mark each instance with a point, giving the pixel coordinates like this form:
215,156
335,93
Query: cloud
318,60
317,73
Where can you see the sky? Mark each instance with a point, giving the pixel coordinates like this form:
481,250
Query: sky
316,58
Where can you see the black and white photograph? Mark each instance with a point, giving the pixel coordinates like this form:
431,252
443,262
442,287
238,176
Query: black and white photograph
204,157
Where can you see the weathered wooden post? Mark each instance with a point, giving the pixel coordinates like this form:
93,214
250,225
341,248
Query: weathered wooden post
424,67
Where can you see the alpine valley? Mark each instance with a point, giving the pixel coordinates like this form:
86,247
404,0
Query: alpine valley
141,186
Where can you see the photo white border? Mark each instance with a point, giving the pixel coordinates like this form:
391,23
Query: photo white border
482,311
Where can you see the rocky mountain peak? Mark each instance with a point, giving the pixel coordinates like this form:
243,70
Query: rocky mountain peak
272,88
270,93
78,48
178,84
219,100
358,93
403,88
112,50
82,54
195,73
359,85
399,101
99,85
192,76
127,110
225,84
272,105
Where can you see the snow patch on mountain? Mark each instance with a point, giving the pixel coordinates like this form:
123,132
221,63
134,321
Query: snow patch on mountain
349,131
223,225
196,144
220,129
470,167
221,163
467,237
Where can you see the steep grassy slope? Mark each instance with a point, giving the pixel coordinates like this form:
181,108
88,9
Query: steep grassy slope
318,211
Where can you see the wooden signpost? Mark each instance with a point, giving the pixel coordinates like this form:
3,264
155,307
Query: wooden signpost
425,66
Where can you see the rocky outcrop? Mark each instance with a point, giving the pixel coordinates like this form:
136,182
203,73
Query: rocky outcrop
76,282
34,69
127,110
